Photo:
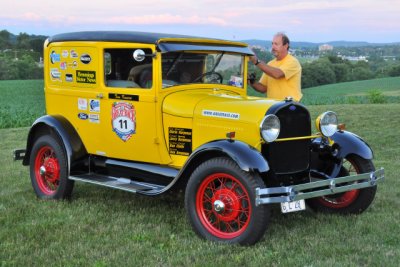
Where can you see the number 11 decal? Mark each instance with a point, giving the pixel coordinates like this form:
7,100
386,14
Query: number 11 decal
123,120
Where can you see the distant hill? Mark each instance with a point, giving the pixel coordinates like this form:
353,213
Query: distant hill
266,43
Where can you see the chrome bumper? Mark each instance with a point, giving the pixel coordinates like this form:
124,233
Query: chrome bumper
319,188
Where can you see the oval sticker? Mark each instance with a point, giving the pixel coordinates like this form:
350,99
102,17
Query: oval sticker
83,116
85,58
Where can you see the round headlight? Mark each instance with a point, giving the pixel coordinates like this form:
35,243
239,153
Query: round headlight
327,123
270,128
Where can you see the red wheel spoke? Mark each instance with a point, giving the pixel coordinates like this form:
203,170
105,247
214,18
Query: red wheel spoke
233,215
345,199
47,170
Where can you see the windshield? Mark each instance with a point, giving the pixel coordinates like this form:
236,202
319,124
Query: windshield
202,67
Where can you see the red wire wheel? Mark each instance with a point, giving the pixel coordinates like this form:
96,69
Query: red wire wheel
47,170
342,200
351,202
220,200
223,206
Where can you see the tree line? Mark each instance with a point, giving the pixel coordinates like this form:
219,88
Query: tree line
333,69
20,56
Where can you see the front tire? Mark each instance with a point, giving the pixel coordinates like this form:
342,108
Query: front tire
48,169
351,202
220,203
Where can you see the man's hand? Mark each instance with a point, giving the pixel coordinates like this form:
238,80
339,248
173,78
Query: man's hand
253,59
251,78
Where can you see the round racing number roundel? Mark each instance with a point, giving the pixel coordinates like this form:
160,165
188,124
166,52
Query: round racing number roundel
123,120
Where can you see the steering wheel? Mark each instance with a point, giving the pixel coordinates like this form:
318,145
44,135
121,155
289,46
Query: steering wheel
214,77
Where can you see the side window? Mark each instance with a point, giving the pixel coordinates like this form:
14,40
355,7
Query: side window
125,69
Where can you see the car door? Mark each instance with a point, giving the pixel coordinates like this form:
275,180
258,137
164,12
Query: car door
126,110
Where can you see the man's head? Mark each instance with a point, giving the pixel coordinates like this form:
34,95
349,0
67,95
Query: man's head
280,45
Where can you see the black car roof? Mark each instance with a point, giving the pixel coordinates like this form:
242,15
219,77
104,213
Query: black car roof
164,42
133,36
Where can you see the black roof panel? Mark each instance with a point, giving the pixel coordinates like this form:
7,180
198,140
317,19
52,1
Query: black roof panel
118,36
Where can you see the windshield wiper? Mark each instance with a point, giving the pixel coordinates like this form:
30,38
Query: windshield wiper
176,60
217,62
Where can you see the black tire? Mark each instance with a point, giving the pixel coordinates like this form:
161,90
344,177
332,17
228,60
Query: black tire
49,169
351,202
235,218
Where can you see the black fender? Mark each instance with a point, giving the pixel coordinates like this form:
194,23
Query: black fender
246,157
60,127
349,143
344,144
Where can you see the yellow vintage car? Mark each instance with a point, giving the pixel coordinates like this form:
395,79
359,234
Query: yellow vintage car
149,113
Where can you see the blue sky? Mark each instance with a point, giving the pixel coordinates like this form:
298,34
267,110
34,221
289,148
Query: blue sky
303,20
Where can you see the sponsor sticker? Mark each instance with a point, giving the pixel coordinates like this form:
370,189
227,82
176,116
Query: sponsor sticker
123,116
180,141
55,74
73,54
83,116
64,53
94,118
69,77
85,58
82,103
83,76
63,65
236,81
73,65
94,105
54,57
220,114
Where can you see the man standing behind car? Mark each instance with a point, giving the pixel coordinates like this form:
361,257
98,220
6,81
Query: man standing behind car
281,76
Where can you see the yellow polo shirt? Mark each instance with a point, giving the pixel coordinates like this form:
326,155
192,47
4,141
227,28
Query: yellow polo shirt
290,85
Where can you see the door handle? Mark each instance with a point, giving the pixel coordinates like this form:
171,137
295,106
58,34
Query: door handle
100,96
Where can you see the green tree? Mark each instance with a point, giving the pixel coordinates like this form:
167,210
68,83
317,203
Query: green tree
316,73
37,44
23,41
394,71
342,72
4,40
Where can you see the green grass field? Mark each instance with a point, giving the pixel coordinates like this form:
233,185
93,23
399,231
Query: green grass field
106,227
21,102
357,92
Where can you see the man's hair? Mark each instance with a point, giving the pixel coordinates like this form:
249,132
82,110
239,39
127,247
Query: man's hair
285,39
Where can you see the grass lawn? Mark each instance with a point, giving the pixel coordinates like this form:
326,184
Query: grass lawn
21,102
106,227
357,92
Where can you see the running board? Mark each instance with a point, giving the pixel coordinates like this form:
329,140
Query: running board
117,183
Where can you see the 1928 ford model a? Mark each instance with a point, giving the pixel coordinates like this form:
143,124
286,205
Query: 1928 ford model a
148,113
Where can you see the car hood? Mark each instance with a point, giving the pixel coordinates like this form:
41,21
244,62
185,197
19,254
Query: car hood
217,105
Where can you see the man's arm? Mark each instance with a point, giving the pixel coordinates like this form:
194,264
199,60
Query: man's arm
259,87
275,73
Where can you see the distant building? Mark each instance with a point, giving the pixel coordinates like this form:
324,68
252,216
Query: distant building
325,47
359,58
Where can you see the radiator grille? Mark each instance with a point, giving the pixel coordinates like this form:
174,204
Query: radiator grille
290,156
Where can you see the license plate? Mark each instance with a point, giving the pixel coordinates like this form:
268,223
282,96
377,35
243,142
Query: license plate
297,205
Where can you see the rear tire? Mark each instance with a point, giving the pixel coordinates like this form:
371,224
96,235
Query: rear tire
351,202
49,169
220,203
